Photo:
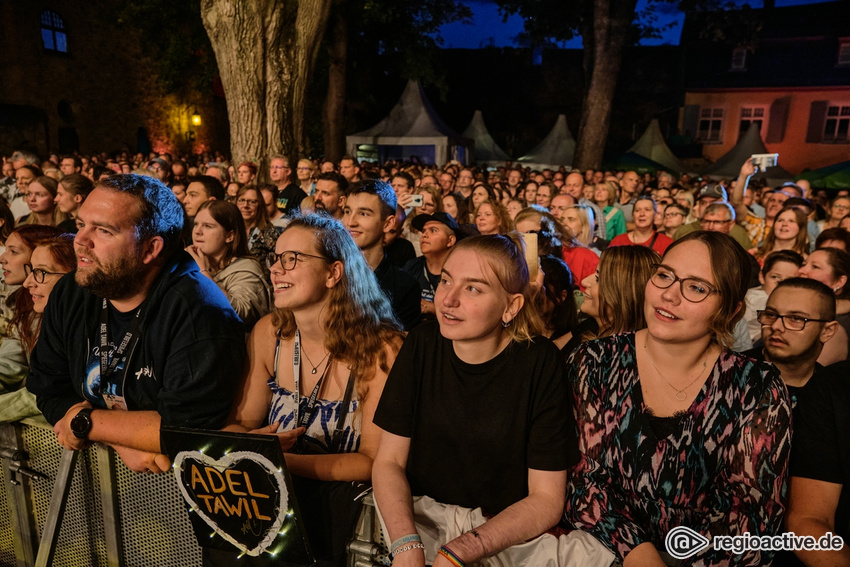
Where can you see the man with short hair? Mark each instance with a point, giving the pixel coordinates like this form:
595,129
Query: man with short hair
201,189
275,215
161,169
447,182
573,186
439,233
403,183
70,164
327,166
514,181
559,205
628,196
289,195
136,338
219,173
178,170
330,193
369,213
465,181
712,193
350,169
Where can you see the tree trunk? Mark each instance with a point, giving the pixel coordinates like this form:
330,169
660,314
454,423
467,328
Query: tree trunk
266,50
606,39
334,110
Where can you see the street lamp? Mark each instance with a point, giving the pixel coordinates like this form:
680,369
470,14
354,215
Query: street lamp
196,118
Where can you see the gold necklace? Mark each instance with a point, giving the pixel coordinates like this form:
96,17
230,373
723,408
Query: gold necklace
680,394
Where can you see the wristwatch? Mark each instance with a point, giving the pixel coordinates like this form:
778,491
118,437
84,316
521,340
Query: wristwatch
81,423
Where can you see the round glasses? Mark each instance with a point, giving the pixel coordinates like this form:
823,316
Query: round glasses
289,259
38,274
693,289
790,322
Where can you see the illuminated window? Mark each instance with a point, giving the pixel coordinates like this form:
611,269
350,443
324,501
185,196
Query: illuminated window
53,32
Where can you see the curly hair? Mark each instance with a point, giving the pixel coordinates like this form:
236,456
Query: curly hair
356,302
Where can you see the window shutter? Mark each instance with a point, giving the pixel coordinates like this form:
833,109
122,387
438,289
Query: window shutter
690,120
778,120
817,114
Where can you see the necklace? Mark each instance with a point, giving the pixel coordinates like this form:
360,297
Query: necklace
680,394
316,367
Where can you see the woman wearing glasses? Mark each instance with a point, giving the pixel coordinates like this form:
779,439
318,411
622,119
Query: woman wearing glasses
262,234
52,257
319,362
675,429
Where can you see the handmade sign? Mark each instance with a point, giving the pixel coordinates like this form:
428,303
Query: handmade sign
238,492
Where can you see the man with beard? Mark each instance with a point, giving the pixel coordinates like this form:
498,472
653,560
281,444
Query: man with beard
330,193
136,338
798,319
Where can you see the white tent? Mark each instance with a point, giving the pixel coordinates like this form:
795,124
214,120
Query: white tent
555,150
486,149
651,145
412,129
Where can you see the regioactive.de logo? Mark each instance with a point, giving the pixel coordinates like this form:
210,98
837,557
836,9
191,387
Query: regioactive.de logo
682,542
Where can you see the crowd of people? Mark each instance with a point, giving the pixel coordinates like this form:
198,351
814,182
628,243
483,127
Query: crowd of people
531,367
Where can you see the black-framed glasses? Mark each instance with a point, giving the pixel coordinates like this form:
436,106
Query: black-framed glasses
38,274
289,259
790,322
693,289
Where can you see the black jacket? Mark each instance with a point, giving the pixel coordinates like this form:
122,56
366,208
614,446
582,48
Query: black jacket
187,364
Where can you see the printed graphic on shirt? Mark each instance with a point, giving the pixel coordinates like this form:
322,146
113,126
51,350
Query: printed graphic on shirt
109,395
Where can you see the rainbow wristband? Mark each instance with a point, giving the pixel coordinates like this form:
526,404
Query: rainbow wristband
449,554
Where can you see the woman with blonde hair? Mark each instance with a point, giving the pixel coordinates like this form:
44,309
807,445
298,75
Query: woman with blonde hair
605,196
312,378
491,217
40,198
472,460
581,221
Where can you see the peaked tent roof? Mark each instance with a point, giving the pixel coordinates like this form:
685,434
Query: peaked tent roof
729,164
651,145
486,148
411,124
835,176
555,150
411,117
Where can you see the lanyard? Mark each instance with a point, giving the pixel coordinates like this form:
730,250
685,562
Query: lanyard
303,420
107,367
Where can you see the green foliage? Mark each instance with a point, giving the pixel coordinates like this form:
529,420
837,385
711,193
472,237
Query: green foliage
184,55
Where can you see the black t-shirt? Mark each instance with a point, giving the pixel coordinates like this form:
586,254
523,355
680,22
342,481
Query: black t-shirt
418,269
402,291
400,251
289,199
476,429
820,449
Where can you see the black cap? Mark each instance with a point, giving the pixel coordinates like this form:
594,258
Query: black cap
714,191
420,220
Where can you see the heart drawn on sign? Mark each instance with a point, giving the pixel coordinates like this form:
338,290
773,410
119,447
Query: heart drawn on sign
242,496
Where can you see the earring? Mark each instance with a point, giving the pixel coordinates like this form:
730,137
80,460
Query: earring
506,324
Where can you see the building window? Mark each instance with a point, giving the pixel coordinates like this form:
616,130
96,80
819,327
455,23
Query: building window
710,125
53,32
837,123
752,115
739,59
844,54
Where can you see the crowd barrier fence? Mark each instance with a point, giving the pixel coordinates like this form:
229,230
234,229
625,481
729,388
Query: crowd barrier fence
81,508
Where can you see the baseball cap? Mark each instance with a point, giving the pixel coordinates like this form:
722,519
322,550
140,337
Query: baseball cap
713,191
420,220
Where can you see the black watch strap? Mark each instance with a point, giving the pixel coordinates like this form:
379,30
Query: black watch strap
81,423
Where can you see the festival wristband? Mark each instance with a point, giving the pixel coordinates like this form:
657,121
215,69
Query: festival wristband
449,554
404,548
405,539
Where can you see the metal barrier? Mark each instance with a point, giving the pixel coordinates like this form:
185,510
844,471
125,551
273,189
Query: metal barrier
111,516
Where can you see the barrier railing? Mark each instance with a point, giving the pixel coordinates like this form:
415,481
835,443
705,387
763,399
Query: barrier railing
109,516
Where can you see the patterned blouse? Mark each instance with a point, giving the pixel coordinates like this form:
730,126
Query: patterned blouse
718,468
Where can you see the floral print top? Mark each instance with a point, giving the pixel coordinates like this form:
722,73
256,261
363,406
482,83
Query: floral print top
718,468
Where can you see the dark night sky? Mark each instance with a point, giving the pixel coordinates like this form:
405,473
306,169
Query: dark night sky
488,28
